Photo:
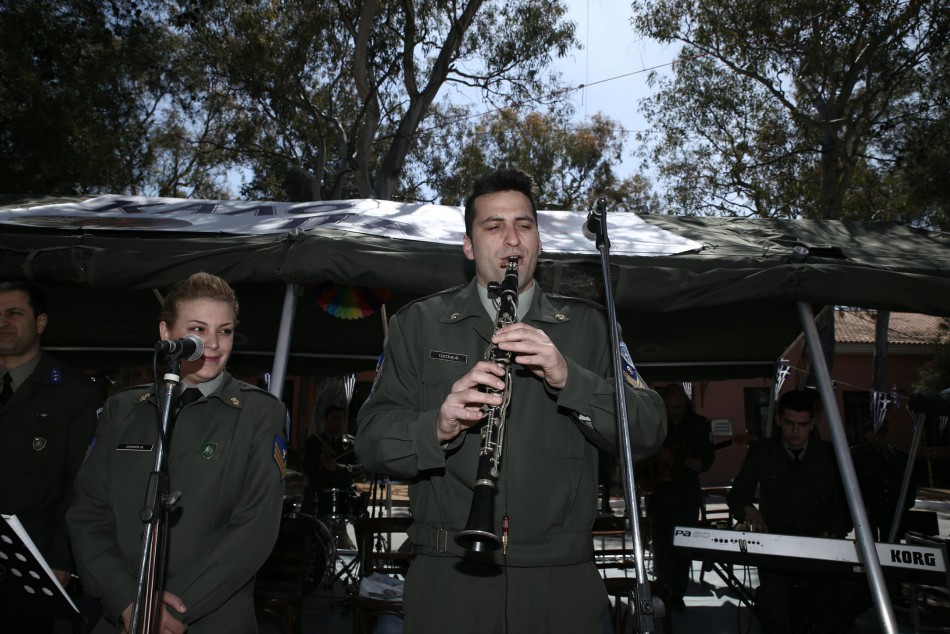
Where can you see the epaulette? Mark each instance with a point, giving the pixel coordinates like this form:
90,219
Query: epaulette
145,391
454,289
244,386
570,298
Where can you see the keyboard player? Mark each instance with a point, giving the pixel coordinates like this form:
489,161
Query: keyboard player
800,493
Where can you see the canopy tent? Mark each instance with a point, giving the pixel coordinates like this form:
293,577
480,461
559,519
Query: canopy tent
696,297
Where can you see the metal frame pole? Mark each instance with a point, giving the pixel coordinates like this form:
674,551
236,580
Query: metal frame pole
282,349
908,470
866,549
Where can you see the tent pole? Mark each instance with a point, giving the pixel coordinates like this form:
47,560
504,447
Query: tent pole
282,351
919,421
866,549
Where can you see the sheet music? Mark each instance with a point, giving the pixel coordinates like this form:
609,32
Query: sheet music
8,552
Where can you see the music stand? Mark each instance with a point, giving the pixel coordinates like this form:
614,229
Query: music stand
27,584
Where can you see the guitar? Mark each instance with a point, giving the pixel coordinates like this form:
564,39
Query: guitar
651,472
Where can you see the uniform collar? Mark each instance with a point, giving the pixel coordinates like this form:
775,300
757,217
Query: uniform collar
208,387
21,374
225,388
467,304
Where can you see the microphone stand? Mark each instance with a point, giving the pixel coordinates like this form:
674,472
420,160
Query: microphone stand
148,606
645,607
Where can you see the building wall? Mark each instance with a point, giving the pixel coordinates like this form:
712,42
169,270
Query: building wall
852,372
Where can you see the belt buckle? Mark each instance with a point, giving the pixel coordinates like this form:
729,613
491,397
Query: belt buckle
442,540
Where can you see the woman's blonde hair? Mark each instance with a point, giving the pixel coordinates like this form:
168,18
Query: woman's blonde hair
197,286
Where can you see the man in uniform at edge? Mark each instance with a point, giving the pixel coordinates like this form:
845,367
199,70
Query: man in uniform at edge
48,415
422,419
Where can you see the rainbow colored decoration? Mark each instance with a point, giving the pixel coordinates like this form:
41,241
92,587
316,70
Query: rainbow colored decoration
348,302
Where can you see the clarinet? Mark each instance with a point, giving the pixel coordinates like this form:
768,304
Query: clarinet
478,535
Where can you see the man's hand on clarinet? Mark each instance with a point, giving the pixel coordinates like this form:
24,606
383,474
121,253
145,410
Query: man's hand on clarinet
535,351
463,406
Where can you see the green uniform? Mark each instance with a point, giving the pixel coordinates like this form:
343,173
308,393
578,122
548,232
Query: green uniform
548,481
226,457
45,429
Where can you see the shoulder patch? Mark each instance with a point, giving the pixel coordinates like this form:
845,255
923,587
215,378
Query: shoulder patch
630,374
280,455
92,445
380,365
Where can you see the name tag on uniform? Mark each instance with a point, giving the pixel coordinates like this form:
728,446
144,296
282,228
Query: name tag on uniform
448,356
133,446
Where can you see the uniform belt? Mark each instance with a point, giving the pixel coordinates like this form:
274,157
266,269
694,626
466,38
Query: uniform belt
428,539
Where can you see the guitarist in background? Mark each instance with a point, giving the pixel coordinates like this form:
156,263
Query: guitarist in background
687,452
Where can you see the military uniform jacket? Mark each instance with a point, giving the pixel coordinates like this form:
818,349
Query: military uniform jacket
45,429
222,459
805,499
548,479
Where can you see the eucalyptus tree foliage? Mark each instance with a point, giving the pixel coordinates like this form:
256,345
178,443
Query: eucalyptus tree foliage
70,99
330,95
786,108
922,170
99,97
572,164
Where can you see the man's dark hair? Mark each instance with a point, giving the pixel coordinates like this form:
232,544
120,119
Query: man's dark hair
503,180
798,401
35,294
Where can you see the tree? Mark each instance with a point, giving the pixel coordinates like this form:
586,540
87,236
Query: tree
934,375
573,165
782,108
98,97
922,168
330,96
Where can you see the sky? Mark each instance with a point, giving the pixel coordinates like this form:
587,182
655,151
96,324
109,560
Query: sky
613,65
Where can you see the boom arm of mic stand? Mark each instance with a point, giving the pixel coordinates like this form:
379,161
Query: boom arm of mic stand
147,607
645,606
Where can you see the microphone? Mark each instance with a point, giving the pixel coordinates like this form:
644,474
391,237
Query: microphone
191,347
593,227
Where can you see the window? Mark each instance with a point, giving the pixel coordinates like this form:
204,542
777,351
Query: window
857,414
756,409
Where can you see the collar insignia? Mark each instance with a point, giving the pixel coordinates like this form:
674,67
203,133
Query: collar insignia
235,402
208,450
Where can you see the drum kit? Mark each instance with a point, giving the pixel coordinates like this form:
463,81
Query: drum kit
333,554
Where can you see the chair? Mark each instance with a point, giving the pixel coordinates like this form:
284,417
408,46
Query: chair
714,511
279,586
622,558
374,537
